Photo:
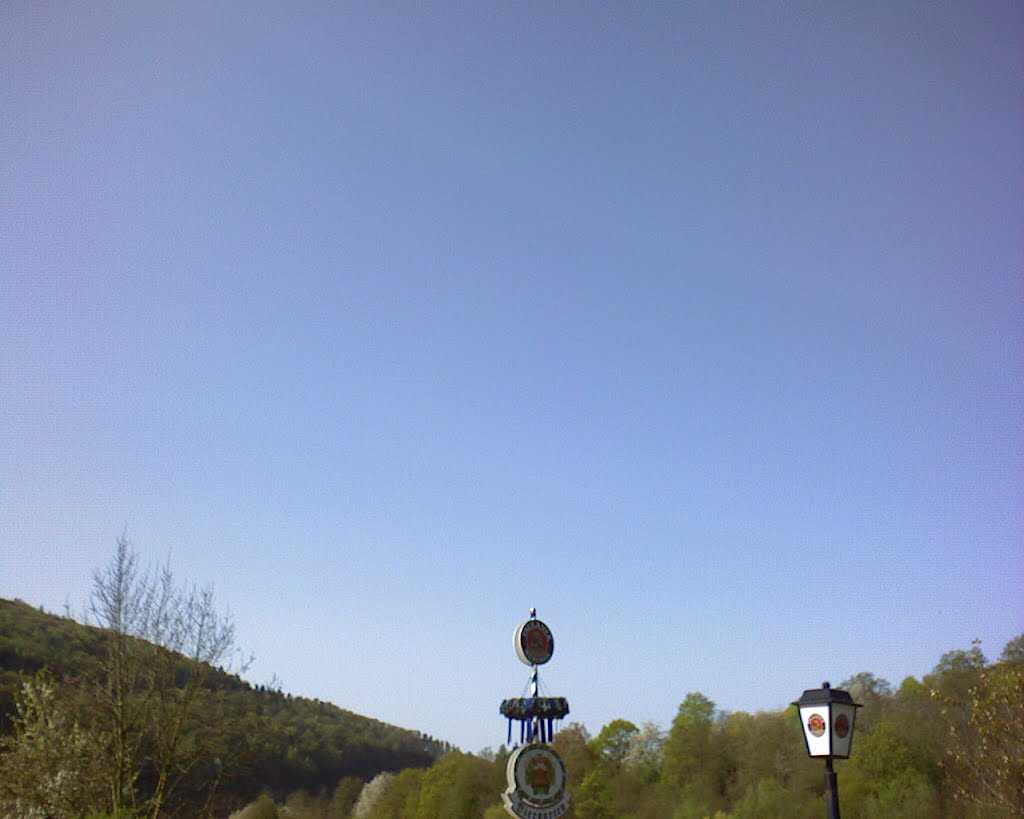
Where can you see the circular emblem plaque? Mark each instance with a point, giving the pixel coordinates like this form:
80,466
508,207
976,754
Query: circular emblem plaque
534,642
816,725
842,726
536,783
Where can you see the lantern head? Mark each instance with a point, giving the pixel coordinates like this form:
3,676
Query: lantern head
827,716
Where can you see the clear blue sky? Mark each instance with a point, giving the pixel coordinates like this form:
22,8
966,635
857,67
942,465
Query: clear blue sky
698,326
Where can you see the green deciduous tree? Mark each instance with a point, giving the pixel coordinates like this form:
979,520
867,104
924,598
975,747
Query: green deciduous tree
593,800
693,763
459,786
573,745
956,673
401,797
767,745
1013,651
345,796
887,777
768,799
612,744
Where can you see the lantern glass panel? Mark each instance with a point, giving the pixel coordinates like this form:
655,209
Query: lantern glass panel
816,722
843,717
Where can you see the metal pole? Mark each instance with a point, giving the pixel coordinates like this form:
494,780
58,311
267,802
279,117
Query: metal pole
534,690
831,790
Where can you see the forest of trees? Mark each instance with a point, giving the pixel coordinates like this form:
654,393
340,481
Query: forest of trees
135,716
948,745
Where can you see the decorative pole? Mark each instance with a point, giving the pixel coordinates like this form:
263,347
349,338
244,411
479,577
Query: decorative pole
535,686
535,773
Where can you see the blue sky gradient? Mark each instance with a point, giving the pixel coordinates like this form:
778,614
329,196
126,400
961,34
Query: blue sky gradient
698,326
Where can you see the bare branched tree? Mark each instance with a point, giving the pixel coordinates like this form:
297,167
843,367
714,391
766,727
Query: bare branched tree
165,642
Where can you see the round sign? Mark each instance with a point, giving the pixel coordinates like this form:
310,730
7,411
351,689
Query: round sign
536,783
842,726
816,725
534,642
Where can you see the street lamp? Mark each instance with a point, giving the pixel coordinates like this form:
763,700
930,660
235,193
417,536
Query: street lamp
827,716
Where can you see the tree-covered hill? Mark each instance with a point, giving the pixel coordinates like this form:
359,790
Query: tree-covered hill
947,746
243,740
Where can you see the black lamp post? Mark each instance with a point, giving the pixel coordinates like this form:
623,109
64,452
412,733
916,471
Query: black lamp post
827,716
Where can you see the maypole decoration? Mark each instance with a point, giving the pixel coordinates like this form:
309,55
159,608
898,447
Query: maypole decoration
535,772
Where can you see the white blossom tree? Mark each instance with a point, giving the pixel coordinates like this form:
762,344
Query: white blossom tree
372,792
51,765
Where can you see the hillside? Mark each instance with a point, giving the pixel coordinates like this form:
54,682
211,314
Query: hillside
271,741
